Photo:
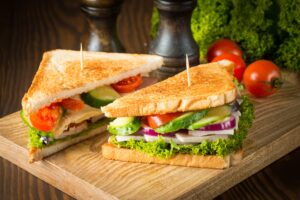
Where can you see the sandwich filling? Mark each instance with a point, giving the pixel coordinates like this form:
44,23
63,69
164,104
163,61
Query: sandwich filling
214,131
74,116
59,122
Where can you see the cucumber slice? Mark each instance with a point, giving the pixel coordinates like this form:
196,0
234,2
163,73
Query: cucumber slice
124,125
181,122
100,96
214,115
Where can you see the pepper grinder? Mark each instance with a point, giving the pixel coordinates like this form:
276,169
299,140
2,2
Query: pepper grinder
174,39
102,17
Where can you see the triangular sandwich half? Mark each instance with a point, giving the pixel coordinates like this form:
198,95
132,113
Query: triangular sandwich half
62,105
170,123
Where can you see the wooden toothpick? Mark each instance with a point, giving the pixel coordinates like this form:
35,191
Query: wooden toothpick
187,70
81,57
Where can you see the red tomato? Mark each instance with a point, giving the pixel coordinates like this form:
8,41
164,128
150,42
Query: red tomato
155,121
128,84
222,46
240,65
262,78
72,104
46,118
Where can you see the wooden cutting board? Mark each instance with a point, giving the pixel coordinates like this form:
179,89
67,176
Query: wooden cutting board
83,173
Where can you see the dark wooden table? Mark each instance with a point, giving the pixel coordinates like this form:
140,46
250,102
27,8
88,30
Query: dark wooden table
28,28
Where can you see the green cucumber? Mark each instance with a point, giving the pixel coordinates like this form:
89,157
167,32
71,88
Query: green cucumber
181,122
124,125
100,96
214,115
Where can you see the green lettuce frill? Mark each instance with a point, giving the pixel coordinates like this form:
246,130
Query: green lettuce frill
220,147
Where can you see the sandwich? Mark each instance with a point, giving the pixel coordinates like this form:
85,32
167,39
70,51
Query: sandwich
201,125
62,105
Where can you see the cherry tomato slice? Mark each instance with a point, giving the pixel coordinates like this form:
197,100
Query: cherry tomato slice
72,104
46,118
155,121
262,78
222,46
240,64
128,84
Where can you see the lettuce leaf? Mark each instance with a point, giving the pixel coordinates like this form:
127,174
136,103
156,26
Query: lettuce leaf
266,29
35,134
220,147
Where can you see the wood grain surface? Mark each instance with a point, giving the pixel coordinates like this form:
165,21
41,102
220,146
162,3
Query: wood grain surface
28,28
83,173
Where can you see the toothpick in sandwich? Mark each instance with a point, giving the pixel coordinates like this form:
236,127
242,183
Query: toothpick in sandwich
81,57
188,70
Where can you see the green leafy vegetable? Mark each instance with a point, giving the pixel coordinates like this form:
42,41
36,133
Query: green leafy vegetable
287,54
209,21
35,134
221,147
263,28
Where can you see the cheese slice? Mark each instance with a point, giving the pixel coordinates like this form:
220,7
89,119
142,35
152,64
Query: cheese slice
188,139
75,117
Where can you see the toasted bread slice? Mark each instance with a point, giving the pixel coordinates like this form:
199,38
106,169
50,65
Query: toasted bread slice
36,154
228,65
111,152
211,86
60,74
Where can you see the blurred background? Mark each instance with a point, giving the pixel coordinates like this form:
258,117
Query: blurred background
29,28
268,29
263,29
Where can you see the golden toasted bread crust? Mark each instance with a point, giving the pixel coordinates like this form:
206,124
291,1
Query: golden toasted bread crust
111,152
228,65
60,74
36,154
211,86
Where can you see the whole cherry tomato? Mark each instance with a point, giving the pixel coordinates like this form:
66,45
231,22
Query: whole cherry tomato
240,65
262,78
222,46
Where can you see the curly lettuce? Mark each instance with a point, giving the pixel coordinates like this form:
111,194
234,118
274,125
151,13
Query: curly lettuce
220,147
217,13
287,54
35,134
267,29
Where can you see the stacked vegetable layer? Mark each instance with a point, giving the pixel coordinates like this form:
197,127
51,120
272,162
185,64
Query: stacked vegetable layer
160,147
